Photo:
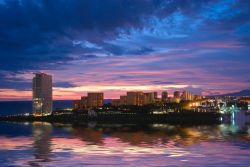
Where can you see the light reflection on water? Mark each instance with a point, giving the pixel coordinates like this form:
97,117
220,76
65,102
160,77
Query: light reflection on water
44,144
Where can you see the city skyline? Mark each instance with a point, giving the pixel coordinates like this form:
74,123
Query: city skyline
120,46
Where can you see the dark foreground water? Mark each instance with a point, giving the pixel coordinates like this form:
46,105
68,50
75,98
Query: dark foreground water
92,144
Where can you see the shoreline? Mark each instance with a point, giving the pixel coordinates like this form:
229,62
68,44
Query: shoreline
176,118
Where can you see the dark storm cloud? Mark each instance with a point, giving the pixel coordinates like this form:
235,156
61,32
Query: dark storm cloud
34,33
64,84
52,34
89,56
17,83
126,50
227,15
245,41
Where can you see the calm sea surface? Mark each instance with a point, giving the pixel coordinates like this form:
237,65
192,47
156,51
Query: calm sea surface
92,144
17,107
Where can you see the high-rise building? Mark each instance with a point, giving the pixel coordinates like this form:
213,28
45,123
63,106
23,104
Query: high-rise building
197,97
115,102
123,100
84,102
135,98
94,100
150,98
177,94
42,94
187,95
77,104
80,104
164,96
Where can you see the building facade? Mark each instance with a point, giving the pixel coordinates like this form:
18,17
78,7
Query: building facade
177,94
164,96
94,100
187,96
150,98
135,98
42,94
77,104
116,102
123,100
91,101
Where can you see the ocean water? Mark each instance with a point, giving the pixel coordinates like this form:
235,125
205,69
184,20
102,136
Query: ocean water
18,107
93,144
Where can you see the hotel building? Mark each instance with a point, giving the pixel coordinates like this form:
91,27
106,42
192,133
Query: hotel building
123,100
94,100
150,98
187,96
135,98
164,96
42,94
177,94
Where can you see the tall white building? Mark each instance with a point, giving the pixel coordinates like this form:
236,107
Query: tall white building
42,94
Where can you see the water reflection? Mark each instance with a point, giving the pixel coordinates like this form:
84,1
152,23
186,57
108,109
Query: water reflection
160,133
41,132
125,145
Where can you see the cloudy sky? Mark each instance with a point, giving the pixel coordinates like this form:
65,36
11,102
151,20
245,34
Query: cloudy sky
119,45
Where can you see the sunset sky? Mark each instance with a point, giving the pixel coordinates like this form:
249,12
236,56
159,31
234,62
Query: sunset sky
115,46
